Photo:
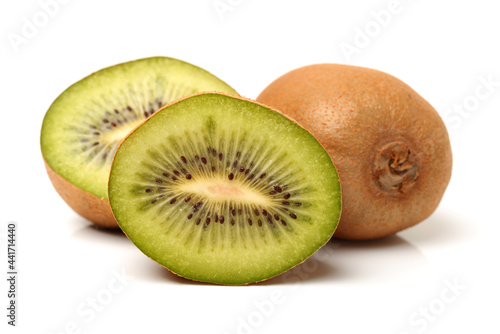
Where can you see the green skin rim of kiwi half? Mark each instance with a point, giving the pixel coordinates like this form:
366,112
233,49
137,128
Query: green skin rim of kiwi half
224,190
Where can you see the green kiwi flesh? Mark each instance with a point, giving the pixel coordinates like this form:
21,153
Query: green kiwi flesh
221,189
85,124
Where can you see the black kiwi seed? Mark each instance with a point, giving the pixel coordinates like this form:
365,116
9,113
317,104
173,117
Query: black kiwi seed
238,213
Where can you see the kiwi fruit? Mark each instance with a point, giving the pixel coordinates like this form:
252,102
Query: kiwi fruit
389,145
85,124
221,189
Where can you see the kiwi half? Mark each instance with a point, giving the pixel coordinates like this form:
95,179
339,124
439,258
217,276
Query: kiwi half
389,144
85,124
225,190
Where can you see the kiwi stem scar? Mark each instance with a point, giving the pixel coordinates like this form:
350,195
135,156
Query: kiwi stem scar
396,167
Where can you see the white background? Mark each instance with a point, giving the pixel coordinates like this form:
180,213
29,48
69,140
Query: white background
445,50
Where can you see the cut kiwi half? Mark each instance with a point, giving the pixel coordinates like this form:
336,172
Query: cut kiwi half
85,124
221,189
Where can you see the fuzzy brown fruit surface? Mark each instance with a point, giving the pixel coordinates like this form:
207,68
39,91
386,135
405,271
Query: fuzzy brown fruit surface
390,146
84,203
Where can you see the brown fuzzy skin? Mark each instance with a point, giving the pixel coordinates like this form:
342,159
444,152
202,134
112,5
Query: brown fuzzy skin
368,121
87,205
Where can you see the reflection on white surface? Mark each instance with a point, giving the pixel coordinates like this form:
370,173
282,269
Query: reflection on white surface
442,228
337,261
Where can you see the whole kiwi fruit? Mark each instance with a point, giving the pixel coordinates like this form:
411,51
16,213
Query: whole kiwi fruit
390,146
